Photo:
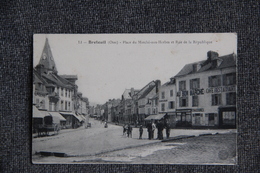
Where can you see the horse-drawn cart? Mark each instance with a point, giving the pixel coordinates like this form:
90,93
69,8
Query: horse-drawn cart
50,124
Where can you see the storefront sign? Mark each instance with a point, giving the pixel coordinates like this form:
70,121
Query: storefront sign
198,110
196,92
162,100
221,89
201,91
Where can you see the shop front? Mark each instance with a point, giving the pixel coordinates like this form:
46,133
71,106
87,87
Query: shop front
183,118
227,117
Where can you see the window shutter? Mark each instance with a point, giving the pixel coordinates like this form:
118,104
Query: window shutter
219,80
212,99
210,81
224,79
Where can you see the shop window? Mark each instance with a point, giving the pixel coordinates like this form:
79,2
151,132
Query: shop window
195,101
163,95
195,83
171,93
183,101
231,98
182,85
197,118
214,81
229,79
216,99
163,107
211,119
171,105
229,118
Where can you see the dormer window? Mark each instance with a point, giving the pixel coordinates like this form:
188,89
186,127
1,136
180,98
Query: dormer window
194,68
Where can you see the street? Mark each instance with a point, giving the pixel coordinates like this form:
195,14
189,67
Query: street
107,145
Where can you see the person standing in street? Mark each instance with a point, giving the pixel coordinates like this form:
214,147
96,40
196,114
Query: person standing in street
129,131
167,129
149,130
160,130
140,131
153,128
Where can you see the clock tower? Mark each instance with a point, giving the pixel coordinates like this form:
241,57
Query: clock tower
46,62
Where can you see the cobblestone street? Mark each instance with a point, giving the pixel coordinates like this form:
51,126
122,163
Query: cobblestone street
105,145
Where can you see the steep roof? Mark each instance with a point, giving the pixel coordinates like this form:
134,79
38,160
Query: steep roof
56,79
147,91
206,65
47,59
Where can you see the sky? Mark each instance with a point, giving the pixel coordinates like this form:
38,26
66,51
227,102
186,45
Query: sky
127,60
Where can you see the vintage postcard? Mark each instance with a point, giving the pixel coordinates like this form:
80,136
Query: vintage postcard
135,99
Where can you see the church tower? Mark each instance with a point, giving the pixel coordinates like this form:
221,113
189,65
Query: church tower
46,63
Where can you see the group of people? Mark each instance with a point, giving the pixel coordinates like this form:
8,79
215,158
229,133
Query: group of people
160,125
127,130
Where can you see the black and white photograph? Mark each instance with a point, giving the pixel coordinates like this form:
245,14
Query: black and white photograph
134,99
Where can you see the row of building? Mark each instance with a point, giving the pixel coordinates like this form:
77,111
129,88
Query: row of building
56,95
202,94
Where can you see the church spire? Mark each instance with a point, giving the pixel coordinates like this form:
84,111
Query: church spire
46,60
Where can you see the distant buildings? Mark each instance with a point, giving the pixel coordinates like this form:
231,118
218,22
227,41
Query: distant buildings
57,93
202,94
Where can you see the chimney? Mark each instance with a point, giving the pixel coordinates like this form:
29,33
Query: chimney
212,55
158,85
132,92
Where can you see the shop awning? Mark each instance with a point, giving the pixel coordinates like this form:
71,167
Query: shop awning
71,114
37,113
57,115
155,117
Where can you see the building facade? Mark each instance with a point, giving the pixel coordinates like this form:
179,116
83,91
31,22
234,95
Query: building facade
206,92
167,101
56,93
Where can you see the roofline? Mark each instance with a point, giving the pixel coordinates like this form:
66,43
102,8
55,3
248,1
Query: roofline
205,71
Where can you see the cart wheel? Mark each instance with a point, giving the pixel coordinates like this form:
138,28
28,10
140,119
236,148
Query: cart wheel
56,129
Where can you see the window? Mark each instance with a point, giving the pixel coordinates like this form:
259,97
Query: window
163,95
61,92
182,85
162,107
149,111
61,105
171,93
214,81
231,98
195,101
195,83
66,94
216,99
69,93
171,105
69,106
156,102
58,90
183,101
229,79
65,105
